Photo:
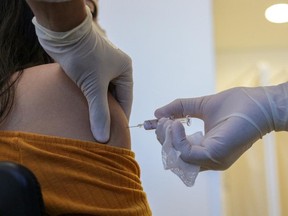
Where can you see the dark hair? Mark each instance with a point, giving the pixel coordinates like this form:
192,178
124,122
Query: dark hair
19,48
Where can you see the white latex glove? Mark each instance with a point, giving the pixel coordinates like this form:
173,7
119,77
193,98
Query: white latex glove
92,63
233,119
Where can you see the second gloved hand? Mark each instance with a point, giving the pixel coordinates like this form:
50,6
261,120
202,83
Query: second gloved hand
233,119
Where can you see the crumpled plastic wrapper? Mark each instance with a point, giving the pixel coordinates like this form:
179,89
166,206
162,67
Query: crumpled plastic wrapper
171,158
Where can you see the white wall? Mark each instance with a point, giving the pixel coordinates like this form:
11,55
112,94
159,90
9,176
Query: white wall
170,42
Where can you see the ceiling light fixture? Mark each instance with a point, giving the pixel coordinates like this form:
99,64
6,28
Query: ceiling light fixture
277,13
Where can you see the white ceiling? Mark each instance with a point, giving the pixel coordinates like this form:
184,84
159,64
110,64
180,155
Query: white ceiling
241,25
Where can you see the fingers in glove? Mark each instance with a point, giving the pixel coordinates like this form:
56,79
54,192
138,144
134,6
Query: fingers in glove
221,146
182,107
190,152
161,129
100,118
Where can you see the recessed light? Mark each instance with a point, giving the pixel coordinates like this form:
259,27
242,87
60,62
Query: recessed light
277,13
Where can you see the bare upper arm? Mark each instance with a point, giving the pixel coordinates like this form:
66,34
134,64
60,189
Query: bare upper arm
48,102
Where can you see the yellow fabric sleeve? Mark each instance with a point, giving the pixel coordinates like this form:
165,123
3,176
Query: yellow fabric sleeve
79,177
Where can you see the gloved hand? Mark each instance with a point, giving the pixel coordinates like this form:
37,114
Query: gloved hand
92,63
233,121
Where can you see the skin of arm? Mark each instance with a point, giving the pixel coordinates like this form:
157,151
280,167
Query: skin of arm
48,102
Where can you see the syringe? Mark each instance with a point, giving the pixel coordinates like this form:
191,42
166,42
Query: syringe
152,124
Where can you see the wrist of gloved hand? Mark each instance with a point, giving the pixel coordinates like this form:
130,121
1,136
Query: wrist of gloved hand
278,101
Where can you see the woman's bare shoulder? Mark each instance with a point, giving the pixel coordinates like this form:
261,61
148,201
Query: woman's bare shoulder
48,102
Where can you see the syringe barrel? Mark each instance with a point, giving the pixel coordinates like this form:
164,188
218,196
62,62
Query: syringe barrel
150,124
